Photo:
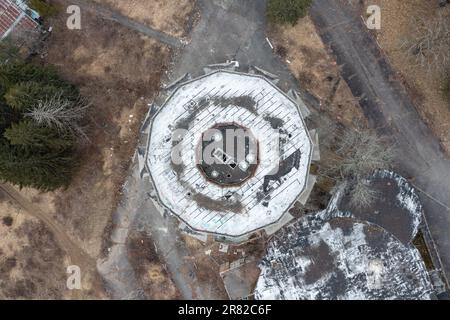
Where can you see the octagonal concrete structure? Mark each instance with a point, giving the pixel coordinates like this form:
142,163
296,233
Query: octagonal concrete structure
285,150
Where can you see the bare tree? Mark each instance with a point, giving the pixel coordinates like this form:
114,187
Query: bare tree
362,152
61,113
355,157
358,153
429,46
362,194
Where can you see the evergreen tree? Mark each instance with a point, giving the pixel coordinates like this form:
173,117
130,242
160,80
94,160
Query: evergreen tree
26,95
15,73
7,116
31,137
45,170
32,153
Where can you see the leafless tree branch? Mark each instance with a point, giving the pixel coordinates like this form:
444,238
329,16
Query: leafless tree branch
429,46
63,114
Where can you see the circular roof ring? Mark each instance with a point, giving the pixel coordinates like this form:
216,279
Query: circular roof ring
238,190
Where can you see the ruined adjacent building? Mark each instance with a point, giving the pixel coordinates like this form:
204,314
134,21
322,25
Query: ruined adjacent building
343,255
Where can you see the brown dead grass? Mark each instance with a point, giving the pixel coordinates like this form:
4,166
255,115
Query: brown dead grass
32,266
398,17
119,71
10,243
155,279
208,261
206,267
169,16
315,68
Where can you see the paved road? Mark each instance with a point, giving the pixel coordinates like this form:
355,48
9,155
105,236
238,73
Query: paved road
233,30
390,110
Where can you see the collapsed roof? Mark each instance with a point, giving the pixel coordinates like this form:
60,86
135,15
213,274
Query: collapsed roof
336,255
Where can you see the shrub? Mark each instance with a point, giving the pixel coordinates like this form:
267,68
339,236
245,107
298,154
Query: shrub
287,11
8,221
44,8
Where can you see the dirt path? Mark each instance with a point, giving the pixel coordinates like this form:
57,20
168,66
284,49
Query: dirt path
390,110
76,255
111,15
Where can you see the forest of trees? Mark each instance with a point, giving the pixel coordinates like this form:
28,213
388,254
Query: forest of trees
41,119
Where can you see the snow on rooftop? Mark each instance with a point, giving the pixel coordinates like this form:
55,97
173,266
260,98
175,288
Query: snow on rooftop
342,259
249,101
334,254
397,208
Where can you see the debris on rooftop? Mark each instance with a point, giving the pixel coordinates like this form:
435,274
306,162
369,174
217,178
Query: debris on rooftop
245,188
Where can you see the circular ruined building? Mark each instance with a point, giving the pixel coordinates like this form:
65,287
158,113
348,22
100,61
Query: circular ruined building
341,259
229,153
359,254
